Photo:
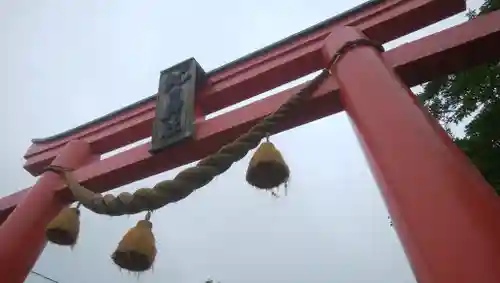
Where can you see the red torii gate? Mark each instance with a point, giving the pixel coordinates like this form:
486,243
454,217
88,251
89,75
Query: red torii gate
446,215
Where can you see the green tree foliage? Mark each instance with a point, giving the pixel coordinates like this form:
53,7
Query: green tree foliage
472,98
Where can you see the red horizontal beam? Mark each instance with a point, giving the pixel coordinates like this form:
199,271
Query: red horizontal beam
465,45
384,21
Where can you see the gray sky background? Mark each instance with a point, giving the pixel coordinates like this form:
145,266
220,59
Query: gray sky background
63,63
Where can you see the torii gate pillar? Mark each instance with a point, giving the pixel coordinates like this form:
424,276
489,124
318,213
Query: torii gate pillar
22,235
446,215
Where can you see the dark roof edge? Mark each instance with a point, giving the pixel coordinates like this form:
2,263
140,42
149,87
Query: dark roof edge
222,68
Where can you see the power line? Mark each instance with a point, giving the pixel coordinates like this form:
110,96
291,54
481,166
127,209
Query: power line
44,277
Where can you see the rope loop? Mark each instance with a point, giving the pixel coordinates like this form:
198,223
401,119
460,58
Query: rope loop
348,46
56,169
191,179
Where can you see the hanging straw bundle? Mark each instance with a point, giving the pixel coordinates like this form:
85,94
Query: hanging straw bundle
267,169
137,249
64,228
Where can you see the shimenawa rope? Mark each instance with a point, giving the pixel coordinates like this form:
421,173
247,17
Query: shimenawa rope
191,179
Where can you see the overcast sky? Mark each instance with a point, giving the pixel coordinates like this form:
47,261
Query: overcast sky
63,63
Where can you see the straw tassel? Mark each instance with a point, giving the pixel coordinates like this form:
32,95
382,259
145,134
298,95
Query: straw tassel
137,249
267,168
64,228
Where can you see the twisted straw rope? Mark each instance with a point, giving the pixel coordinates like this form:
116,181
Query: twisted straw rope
191,179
